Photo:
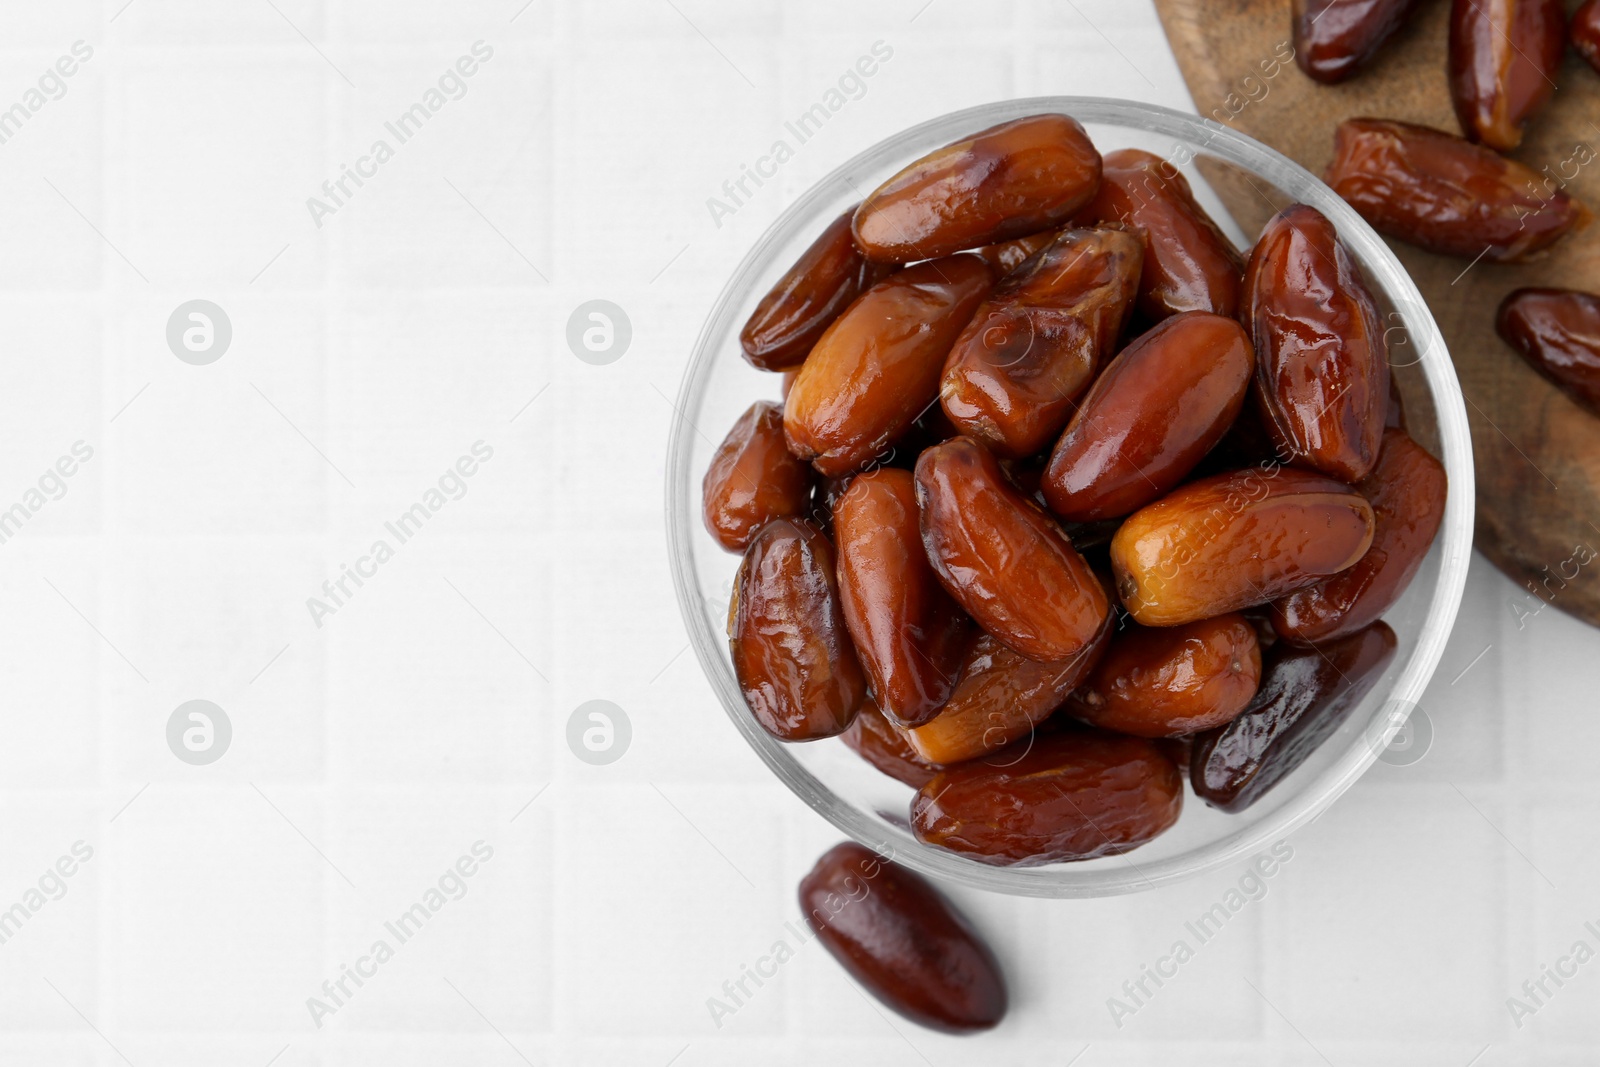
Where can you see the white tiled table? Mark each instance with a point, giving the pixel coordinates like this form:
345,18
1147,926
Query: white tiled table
371,753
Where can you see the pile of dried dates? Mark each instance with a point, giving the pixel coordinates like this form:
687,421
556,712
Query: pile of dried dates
1459,196
1066,497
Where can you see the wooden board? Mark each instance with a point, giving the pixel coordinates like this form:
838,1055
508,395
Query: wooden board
1537,453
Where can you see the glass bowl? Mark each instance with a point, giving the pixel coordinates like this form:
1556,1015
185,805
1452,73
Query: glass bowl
873,808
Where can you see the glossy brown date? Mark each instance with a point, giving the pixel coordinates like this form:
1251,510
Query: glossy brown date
791,654
806,300
1504,55
1335,38
1189,265
1034,345
1232,541
1439,192
1149,418
1322,367
908,633
1006,562
1001,697
1585,33
1174,681
878,741
897,935
877,367
1558,332
1006,182
1407,493
1071,796
753,479
1304,696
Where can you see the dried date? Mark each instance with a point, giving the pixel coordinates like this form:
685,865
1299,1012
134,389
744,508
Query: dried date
1160,406
791,654
1304,696
1233,541
1322,366
1005,182
1071,796
877,367
1006,562
1557,331
1033,346
811,294
753,479
908,633
903,941
1439,192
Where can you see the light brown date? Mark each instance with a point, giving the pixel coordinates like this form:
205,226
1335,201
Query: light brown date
1232,541
1006,562
1335,38
1304,696
1322,367
1006,182
877,367
1407,493
1189,263
753,479
791,654
1585,33
897,935
1504,55
908,633
1558,332
878,741
1439,192
805,301
1034,345
1173,681
1001,697
1149,418
1071,796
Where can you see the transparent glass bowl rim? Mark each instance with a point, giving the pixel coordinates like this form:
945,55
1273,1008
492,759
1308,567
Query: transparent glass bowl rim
1383,271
